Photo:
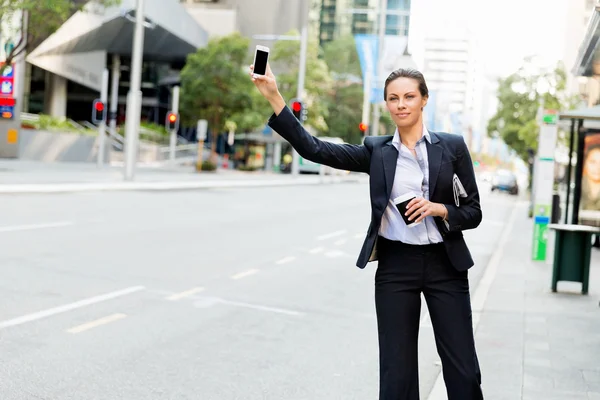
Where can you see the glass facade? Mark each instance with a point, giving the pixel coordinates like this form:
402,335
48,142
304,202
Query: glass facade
360,17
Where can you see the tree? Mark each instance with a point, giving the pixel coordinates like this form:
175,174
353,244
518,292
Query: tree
285,57
520,96
43,18
215,86
345,100
341,57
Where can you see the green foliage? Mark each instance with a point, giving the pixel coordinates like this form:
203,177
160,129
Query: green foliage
53,124
206,166
215,86
285,57
520,96
45,17
341,57
345,112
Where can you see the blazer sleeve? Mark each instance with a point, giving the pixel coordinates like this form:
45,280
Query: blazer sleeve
468,215
348,157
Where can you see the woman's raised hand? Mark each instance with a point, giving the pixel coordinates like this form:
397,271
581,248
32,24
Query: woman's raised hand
266,84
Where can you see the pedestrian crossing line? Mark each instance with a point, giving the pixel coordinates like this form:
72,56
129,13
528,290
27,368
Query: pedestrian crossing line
285,260
187,293
331,235
94,324
316,250
244,274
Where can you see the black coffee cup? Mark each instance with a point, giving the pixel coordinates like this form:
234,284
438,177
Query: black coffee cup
401,202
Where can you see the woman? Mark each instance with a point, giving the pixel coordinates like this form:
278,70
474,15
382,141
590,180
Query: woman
430,258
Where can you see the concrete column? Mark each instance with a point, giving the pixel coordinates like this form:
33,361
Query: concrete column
55,100
114,91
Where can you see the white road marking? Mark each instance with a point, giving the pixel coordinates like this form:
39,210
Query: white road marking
359,236
286,260
316,250
96,323
340,242
478,300
31,227
244,274
330,235
187,293
336,253
262,308
206,302
68,307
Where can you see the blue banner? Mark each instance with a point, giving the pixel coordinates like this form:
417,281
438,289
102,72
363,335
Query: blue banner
367,48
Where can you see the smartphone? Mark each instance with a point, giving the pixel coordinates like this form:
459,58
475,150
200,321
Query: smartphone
261,56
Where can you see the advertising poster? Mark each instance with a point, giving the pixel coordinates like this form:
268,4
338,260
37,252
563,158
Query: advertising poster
589,206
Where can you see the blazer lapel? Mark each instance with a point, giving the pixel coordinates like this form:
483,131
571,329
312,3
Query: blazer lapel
434,155
390,159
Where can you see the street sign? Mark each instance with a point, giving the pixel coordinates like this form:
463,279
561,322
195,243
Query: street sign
6,88
7,112
8,72
201,130
12,136
550,117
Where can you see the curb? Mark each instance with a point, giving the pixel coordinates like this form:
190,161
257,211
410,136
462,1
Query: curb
41,188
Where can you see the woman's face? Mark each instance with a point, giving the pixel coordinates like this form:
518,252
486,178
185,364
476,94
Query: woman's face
404,102
592,165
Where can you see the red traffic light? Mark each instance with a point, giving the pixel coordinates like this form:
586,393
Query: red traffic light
172,117
363,127
296,106
99,106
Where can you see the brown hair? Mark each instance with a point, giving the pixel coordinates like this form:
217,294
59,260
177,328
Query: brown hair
407,73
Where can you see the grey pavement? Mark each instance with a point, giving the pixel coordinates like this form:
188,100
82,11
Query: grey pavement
535,344
238,293
19,176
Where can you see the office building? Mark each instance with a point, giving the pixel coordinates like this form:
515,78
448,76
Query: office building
345,17
579,15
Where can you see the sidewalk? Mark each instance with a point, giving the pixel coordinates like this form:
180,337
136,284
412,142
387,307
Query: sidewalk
534,344
17,176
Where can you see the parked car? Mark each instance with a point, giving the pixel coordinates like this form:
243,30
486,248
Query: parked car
505,181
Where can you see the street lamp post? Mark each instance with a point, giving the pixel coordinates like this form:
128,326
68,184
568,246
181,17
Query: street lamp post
301,73
381,38
134,97
304,8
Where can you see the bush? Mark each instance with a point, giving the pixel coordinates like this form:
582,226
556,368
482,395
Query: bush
246,168
206,166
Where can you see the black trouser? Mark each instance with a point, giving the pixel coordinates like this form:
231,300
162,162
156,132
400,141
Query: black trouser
404,271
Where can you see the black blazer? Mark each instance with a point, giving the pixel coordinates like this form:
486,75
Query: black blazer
448,155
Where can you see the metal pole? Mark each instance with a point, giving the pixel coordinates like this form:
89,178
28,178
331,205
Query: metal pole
366,112
173,138
381,38
114,92
134,97
102,126
571,139
301,72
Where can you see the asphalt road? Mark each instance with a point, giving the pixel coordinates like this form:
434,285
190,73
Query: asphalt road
206,295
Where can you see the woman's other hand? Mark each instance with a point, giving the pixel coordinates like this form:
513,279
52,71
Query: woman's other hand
420,208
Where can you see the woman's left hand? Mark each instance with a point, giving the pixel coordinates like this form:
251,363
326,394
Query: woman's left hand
420,208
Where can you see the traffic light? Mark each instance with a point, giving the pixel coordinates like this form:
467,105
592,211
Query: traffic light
98,111
172,121
363,127
299,110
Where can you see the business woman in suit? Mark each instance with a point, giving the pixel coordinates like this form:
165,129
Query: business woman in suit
430,258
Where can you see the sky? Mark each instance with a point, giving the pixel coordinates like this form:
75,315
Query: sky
507,30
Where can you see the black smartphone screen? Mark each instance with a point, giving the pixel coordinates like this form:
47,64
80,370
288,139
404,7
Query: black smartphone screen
260,65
